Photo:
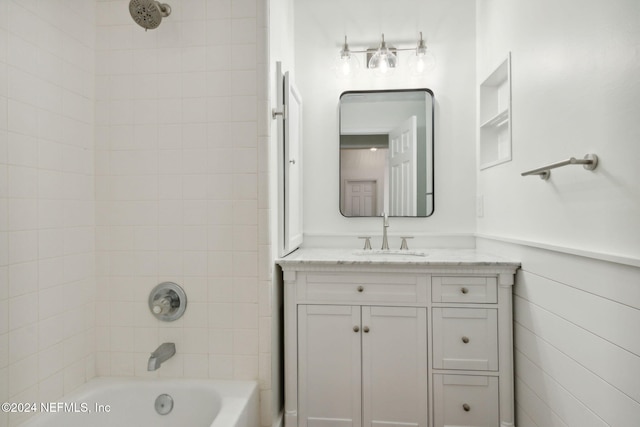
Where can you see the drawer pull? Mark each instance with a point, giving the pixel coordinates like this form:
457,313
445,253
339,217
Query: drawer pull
465,340
356,329
464,291
365,329
360,288
466,407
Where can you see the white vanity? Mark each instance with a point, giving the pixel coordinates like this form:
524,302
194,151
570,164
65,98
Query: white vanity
398,340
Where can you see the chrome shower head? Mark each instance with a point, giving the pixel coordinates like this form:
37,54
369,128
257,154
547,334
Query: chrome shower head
148,13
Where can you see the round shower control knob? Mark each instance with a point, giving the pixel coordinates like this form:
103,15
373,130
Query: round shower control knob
167,301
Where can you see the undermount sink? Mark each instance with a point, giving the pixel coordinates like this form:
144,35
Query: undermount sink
389,252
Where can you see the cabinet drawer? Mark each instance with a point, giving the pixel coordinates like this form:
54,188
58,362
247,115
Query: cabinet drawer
465,338
361,288
470,401
464,289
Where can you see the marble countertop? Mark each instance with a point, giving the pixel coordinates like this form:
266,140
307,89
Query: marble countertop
415,257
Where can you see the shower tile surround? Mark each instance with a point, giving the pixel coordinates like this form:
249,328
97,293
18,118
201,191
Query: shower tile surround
128,158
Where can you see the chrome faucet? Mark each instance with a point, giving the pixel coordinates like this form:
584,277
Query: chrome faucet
385,225
162,353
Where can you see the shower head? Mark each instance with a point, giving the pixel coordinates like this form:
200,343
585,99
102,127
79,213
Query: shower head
148,13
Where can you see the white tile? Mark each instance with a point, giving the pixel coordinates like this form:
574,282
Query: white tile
220,289
243,9
245,290
221,315
23,342
243,57
23,246
194,187
245,342
195,212
221,161
245,187
195,340
194,161
197,316
219,55
245,212
23,278
194,263
218,9
51,389
194,110
23,182
245,316
121,363
245,264
122,339
194,57
196,366
245,237
22,214
23,374
218,109
221,366
51,301
146,339
50,331
220,263
22,150
51,360
245,367
4,316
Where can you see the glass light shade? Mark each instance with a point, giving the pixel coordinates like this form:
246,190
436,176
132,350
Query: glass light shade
421,62
383,61
346,65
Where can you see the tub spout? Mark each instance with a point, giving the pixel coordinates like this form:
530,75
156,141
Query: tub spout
162,353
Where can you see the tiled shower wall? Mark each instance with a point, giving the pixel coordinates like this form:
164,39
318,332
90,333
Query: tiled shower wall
178,166
47,285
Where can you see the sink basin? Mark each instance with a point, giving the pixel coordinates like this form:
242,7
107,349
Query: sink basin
388,252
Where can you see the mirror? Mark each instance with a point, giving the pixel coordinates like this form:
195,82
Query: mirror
386,153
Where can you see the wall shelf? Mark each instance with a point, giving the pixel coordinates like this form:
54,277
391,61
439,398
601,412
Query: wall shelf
495,116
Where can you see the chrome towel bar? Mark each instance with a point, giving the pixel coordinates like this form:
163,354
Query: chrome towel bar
589,162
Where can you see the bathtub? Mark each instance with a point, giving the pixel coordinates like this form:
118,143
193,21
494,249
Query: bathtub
125,402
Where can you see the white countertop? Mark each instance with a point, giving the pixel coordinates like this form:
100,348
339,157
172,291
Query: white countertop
413,257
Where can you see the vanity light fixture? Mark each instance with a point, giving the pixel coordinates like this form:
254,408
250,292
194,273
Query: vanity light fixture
384,59
346,64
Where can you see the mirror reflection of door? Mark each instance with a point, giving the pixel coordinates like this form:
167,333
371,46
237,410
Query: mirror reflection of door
403,190
360,198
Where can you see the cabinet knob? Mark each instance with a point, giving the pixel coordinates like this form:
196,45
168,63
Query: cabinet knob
365,329
356,328
464,290
465,340
360,288
466,407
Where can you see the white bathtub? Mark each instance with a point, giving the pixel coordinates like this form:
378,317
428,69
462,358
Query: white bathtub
130,403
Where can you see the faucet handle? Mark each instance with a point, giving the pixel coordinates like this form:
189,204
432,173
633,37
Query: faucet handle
367,242
403,245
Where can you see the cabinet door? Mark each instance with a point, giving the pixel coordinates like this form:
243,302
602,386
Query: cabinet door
394,366
329,375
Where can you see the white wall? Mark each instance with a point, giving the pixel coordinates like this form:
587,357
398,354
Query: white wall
449,30
47,286
575,90
180,150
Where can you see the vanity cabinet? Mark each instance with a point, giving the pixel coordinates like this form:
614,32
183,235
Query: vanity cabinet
423,343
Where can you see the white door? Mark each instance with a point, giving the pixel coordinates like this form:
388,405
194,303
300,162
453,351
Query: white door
360,198
329,373
403,157
290,188
394,366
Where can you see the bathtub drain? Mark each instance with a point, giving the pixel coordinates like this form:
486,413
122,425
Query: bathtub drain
164,404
